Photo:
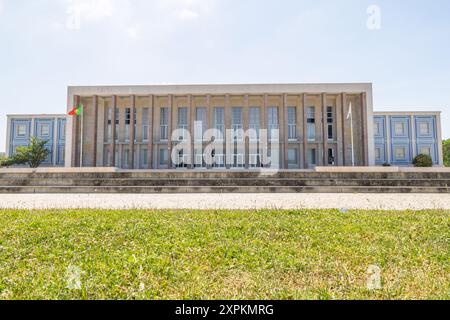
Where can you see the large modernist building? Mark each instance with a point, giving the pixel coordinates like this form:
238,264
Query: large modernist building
286,126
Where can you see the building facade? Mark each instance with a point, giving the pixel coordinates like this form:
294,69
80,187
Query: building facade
285,126
51,128
401,136
221,126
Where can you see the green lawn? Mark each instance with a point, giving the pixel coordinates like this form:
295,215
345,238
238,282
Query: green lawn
223,254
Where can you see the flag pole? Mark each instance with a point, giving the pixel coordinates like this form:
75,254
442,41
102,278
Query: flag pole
81,142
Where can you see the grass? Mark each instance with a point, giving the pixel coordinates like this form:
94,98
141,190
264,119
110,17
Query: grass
94,254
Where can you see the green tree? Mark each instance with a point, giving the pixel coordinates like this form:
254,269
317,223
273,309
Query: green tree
446,147
33,155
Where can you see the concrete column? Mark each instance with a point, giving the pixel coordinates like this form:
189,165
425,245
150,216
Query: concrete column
75,134
284,130
246,126
324,129
132,129
389,157
151,130
209,116
169,146
344,114
227,127
365,140
95,103
305,131
114,133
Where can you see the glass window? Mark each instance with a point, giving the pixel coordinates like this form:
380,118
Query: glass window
377,128
236,123
292,156
255,123
145,124
331,160
163,157
21,130
273,123
400,153
311,123
292,123
378,154
425,129
144,153
63,130
330,121
425,150
45,130
202,119
312,156
183,122
164,123
399,128
219,121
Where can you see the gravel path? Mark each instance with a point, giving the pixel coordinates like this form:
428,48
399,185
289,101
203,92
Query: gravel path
226,201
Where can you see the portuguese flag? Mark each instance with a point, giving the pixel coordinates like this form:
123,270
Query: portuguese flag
77,111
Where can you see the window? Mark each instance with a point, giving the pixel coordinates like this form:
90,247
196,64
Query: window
164,123
109,127
45,130
378,154
145,124
330,121
63,130
312,157
163,157
127,158
377,128
219,122
183,123
236,124
400,153
117,114
292,123
399,128
127,123
292,157
426,151
273,124
425,129
331,160
311,123
21,130
144,161
202,126
255,123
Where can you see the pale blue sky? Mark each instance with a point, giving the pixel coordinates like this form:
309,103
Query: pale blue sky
45,47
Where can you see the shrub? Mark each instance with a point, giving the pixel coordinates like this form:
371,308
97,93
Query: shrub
446,147
33,155
6,162
423,161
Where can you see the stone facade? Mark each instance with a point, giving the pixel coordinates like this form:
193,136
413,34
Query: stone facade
312,120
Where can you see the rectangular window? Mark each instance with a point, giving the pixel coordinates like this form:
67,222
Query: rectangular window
164,123
201,118
145,124
45,130
63,130
425,129
183,123
378,154
219,122
311,123
400,153
292,157
399,128
21,130
127,159
109,125
330,123
273,123
312,157
237,124
331,160
144,161
255,123
163,157
127,123
117,114
426,151
292,123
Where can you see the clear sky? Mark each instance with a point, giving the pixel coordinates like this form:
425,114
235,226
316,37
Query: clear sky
401,46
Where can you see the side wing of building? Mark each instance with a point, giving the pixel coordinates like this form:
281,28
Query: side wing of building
401,136
51,128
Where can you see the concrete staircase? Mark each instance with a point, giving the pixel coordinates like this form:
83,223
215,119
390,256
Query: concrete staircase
227,181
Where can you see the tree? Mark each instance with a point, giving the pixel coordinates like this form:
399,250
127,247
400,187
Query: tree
33,155
423,160
446,148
